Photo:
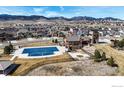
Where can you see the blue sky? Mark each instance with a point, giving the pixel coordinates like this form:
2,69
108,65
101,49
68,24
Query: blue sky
66,11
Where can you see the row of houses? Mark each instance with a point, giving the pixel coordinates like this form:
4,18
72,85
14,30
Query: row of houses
76,39
51,30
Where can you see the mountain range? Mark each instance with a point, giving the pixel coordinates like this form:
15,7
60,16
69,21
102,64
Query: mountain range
6,17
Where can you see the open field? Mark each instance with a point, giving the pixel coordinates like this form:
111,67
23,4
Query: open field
5,57
44,43
118,56
75,68
83,67
26,65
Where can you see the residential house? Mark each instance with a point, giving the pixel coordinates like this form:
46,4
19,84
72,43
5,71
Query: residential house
73,42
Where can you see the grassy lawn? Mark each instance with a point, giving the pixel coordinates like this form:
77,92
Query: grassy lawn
27,65
118,56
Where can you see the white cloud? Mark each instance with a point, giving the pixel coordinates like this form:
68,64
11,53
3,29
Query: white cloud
13,12
52,14
39,10
5,11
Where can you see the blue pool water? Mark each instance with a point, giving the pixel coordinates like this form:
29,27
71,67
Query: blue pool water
40,51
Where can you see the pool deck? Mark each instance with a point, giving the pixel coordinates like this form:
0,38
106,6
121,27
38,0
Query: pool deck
19,52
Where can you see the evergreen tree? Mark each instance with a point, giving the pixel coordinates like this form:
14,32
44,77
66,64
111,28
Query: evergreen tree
97,56
56,41
7,50
103,57
116,43
110,61
11,47
120,44
53,41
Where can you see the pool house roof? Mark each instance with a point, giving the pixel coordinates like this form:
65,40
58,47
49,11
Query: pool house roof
4,64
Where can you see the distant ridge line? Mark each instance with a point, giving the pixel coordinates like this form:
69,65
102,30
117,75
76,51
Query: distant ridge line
6,17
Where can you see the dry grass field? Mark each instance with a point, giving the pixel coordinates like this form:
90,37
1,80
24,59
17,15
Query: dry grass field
118,56
1,49
26,65
46,43
5,57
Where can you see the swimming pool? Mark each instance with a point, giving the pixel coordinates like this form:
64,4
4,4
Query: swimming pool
43,51
40,52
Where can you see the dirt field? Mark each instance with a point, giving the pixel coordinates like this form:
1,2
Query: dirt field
75,68
118,56
27,65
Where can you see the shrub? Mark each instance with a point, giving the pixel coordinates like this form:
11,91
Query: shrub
79,55
56,41
116,43
103,57
97,56
53,40
11,47
120,44
76,69
7,50
97,60
52,68
111,62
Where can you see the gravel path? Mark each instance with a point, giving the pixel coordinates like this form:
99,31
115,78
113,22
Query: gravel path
75,68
